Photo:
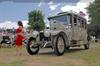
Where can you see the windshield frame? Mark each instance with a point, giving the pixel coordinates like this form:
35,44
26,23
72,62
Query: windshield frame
68,19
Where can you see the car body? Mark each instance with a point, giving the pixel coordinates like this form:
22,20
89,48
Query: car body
67,29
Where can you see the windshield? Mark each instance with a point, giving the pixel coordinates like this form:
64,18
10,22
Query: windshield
63,19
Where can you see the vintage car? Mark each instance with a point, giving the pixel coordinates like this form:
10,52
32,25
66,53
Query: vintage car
67,29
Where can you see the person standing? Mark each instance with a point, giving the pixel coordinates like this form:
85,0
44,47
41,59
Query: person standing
19,38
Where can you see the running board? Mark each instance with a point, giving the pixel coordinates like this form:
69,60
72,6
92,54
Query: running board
78,43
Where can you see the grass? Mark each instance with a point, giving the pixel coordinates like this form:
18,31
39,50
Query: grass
73,57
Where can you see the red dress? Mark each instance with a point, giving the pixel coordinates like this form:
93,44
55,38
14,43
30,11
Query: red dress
19,38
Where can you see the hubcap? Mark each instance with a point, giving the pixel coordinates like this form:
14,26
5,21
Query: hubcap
60,45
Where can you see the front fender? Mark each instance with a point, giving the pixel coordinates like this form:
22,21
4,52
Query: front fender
67,43
66,38
53,32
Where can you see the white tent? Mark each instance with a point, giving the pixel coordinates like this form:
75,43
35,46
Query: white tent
10,24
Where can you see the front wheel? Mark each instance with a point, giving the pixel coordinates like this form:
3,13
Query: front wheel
32,47
59,45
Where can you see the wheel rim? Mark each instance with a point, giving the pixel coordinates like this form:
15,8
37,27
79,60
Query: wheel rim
60,44
33,46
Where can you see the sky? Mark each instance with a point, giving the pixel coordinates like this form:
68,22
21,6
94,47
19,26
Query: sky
12,11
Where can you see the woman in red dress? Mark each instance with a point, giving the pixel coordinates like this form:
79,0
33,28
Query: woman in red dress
19,37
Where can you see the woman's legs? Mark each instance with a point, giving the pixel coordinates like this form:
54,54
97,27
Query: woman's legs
18,50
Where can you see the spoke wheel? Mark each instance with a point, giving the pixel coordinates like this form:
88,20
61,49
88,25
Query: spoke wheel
59,45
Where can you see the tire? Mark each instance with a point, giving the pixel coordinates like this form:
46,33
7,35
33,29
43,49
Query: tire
31,47
59,45
86,46
68,47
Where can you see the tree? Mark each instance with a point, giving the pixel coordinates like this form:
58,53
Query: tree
94,14
36,20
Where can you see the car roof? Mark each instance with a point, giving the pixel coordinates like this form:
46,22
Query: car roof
66,13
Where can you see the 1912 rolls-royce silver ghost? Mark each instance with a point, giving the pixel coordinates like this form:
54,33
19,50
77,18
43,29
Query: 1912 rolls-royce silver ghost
66,30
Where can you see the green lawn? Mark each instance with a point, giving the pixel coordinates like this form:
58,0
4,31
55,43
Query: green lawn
74,57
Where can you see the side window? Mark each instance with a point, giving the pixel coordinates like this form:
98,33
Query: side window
68,19
79,24
83,24
70,23
75,21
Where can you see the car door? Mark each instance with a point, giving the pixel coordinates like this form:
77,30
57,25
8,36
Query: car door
75,31
83,30
69,27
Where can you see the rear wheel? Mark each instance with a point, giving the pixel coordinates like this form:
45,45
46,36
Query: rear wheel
32,47
86,46
59,45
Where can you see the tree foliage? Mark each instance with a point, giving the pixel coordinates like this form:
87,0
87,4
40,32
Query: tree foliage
36,20
94,14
